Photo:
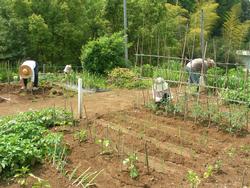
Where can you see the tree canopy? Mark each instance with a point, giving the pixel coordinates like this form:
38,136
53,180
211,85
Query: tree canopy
54,31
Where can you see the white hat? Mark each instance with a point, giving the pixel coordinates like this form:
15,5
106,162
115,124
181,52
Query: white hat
160,84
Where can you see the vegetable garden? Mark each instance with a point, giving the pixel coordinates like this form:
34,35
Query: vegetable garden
199,138
196,140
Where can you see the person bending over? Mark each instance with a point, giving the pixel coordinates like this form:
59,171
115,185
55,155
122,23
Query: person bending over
29,69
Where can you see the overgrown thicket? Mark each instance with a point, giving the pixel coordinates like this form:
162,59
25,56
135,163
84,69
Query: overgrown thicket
54,31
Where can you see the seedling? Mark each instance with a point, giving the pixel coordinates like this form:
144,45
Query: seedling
209,172
81,136
130,161
105,145
193,179
217,166
231,152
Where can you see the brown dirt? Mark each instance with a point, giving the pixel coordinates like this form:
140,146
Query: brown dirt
174,146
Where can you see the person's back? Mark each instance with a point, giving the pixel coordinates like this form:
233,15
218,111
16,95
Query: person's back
196,65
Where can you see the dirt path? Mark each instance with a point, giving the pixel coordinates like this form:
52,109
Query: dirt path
97,103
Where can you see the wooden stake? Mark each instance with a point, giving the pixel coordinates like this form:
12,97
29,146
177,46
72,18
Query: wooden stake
146,157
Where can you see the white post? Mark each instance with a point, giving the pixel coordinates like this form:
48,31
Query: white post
80,98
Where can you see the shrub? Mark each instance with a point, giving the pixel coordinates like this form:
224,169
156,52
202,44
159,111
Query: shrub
102,55
126,78
147,70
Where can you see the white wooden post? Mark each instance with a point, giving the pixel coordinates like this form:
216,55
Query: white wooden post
80,98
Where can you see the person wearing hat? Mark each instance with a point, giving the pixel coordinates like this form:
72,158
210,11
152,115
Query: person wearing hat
161,91
194,68
29,69
67,69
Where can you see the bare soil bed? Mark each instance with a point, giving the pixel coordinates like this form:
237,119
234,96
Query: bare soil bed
173,146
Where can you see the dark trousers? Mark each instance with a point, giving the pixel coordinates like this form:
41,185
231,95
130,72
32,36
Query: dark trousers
25,81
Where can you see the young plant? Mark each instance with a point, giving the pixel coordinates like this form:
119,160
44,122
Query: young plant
231,152
193,179
218,166
105,145
81,136
209,172
131,161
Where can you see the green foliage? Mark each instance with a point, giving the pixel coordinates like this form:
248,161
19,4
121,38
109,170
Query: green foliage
209,172
170,70
105,146
103,54
193,179
91,80
126,78
50,30
81,136
210,20
25,140
131,163
235,32
147,70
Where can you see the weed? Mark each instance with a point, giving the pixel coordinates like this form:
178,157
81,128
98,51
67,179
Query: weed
130,161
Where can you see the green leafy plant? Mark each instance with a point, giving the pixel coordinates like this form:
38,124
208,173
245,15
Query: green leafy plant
25,140
131,161
126,78
193,179
81,136
103,54
105,146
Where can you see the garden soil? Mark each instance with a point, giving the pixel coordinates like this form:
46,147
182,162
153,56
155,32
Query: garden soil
173,146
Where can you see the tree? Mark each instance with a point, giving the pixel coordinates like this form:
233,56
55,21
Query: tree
103,54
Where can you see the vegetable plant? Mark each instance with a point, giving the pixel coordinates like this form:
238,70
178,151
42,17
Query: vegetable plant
81,135
26,141
193,179
131,161
105,146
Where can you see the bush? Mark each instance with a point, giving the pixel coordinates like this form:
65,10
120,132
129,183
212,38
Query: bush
126,78
147,70
102,55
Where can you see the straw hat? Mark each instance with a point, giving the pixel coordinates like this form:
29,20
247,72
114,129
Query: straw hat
25,71
160,84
